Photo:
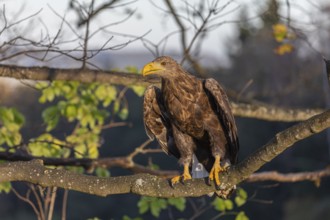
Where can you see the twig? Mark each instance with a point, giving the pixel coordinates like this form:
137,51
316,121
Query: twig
27,200
52,202
64,204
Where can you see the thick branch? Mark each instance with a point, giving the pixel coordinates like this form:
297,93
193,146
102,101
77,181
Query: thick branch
145,184
126,163
89,164
272,113
81,75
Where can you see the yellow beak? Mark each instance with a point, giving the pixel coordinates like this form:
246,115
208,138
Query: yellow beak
152,68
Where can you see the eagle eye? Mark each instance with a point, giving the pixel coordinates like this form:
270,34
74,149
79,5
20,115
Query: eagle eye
163,63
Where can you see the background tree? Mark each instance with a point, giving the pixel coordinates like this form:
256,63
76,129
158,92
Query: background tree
86,118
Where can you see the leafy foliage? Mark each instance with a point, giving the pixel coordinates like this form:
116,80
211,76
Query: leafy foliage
139,90
241,197
224,205
5,187
241,216
125,217
87,107
156,205
11,121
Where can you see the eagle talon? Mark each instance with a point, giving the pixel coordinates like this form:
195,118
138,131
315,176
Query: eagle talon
185,176
215,171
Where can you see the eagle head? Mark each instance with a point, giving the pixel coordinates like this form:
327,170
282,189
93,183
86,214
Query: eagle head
164,67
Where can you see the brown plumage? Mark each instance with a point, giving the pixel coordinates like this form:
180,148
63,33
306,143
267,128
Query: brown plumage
190,116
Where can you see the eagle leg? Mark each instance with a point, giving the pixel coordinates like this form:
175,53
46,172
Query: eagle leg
185,176
215,171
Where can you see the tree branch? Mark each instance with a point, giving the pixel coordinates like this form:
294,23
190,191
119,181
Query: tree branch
146,184
81,75
259,111
314,176
272,113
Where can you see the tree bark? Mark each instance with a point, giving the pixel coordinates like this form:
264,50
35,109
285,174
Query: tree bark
149,185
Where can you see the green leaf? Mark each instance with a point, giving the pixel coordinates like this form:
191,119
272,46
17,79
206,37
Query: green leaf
41,85
126,217
241,216
123,114
178,203
11,122
51,116
18,117
5,187
71,112
229,204
101,92
138,90
116,106
47,146
219,204
102,172
241,197
156,206
49,94
111,96
143,205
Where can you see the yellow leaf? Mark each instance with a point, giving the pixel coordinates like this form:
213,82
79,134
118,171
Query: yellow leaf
283,49
280,32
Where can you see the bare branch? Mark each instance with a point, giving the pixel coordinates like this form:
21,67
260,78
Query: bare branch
314,176
272,113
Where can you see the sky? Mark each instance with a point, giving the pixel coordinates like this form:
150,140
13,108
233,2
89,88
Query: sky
149,19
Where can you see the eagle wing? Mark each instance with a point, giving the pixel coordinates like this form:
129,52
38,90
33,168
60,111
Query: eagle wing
156,121
220,102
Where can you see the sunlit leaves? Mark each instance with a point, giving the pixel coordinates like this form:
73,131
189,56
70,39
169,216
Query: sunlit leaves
178,203
241,216
11,121
283,49
5,187
138,90
241,197
102,172
126,217
152,204
51,116
83,105
156,205
226,205
280,32
222,205
47,146
283,36
106,94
